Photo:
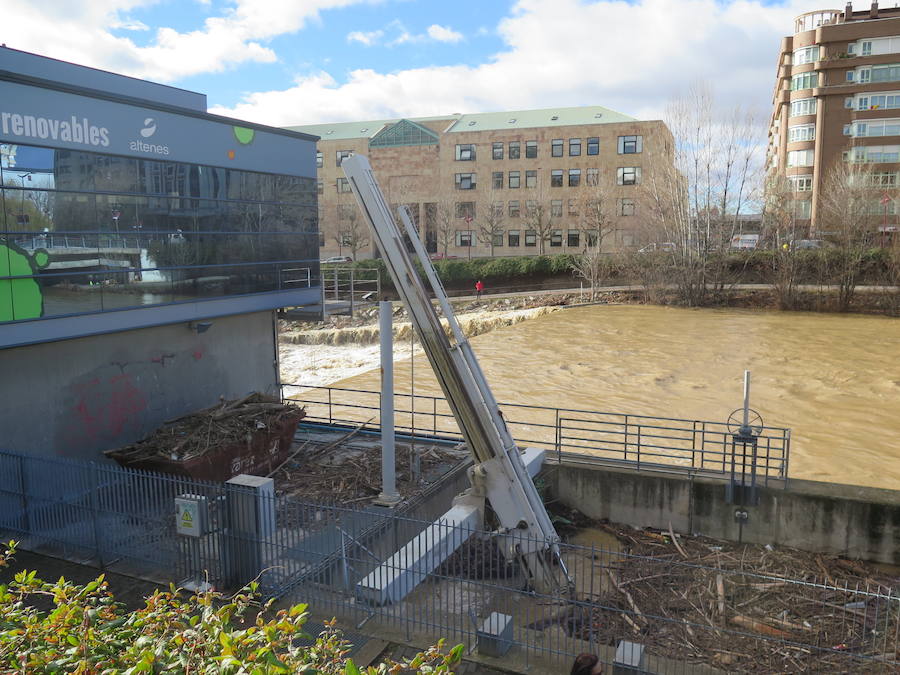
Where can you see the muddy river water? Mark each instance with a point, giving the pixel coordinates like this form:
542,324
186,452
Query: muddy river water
834,380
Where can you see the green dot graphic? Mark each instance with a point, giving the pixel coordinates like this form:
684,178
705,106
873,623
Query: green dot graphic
244,135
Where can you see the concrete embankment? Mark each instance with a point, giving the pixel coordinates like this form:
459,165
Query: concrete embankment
830,518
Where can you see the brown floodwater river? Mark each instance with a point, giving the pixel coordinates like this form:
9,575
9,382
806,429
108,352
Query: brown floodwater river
834,380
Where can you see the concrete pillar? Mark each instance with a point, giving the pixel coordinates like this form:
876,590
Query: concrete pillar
389,494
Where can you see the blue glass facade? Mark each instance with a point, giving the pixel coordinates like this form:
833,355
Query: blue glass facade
112,203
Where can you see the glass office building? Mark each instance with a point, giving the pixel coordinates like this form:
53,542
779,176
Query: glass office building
106,205
145,247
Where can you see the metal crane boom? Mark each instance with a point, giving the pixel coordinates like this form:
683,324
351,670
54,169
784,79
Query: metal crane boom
500,471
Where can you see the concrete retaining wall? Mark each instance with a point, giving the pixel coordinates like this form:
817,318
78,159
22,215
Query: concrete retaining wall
853,521
75,398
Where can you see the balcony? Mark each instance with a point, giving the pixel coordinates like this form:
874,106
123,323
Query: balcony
812,20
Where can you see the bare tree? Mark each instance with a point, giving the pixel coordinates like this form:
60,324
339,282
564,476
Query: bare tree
352,232
782,228
540,219
696,201
596,224
848,212
445,212
491,222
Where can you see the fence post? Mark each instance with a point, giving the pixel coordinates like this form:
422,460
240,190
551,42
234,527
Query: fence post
558,438
95,511
26,520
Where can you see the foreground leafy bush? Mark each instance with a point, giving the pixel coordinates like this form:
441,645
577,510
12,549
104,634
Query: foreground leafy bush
87,631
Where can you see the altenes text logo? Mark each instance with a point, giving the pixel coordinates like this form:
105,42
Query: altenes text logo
70,130
142,146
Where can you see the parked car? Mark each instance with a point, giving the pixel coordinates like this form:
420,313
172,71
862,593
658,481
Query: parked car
441,256
337,260
799,244
666,246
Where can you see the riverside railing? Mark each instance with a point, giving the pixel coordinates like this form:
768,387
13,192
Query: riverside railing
706,609
640,441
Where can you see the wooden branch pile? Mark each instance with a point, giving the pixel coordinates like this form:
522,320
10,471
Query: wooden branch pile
744,608
191,436
336,474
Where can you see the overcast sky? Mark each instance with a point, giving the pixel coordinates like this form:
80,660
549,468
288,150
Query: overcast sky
287,62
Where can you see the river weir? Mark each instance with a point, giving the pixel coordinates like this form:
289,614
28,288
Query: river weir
834,380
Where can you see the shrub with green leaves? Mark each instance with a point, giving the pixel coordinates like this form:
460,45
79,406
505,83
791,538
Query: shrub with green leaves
86,631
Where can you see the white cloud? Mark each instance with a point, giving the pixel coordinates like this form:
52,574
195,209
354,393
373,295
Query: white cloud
443,34
80,32
368,39
628,56
129,24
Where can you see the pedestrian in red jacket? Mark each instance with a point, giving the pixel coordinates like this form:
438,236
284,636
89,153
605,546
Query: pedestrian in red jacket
479,287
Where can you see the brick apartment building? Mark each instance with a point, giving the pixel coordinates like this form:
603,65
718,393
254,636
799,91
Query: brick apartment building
837,98
504,183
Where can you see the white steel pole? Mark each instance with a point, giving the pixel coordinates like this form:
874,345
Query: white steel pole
389,494
746,400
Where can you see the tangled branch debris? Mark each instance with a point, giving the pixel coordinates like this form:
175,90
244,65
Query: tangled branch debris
191,436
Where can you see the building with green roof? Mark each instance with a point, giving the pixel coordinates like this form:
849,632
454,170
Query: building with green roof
518,182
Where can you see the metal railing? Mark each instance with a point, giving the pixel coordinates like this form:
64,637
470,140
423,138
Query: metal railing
639,441
690,616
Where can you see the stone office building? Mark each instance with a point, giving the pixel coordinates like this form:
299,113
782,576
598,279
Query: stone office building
505,183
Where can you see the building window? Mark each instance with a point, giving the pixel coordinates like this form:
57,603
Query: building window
593,177
801,183
875,46
497,180
555,238
573,207
574,177
628,175
592,238
512,237
465,210
513,210
872,154
884,179
800,157
320,187
346,211
319,160
341,155
573,238
574,147
556,178
803,106
803,132
530,206
497,150
530,179
884,127
877,101
497,208
514,179
806,55
556,208
343,185
530,149
626,207
631,145
530,238
556,149
346,238
464,238
806,80
802,208
593,145
321,239
465,152
465,181
514,148
497,239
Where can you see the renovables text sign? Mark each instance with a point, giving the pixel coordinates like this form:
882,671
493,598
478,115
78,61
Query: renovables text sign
36,116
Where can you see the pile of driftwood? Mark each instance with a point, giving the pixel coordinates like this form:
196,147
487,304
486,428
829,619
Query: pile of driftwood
191,436
339,473
743,608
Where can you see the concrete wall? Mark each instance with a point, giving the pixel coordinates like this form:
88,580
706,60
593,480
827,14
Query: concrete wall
829,518
75,398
